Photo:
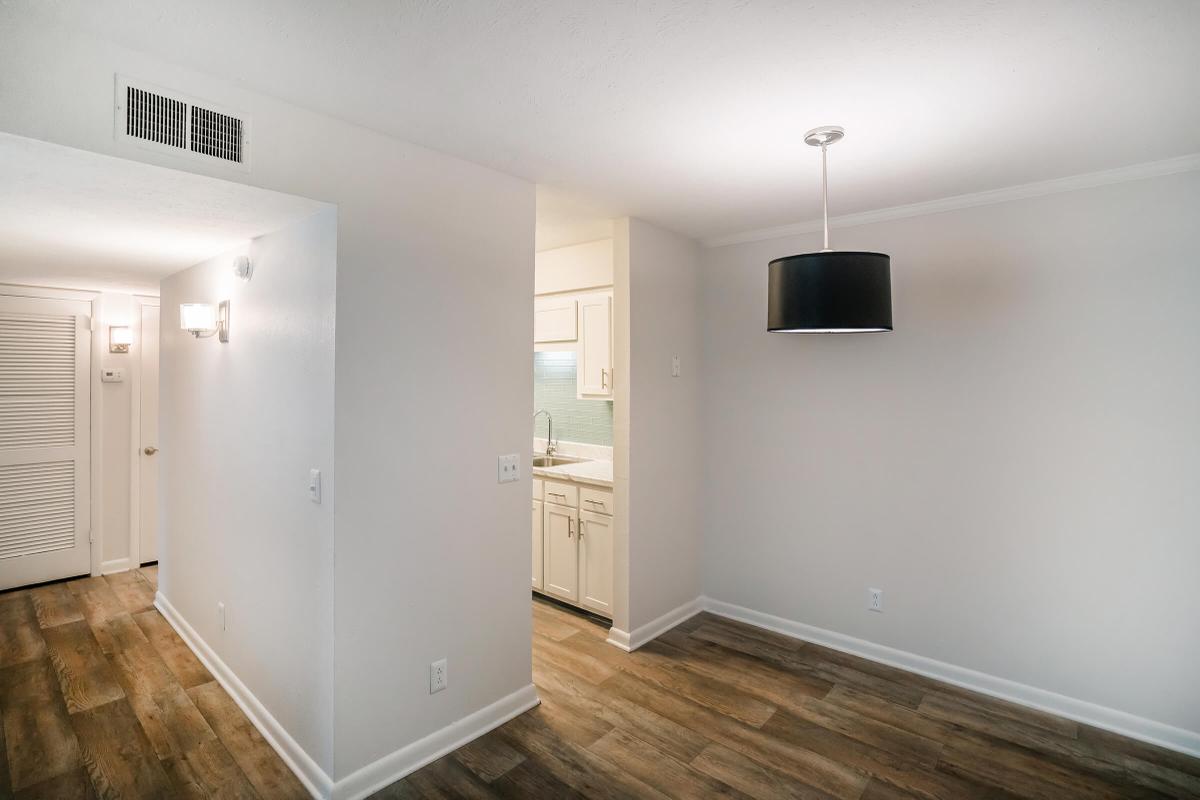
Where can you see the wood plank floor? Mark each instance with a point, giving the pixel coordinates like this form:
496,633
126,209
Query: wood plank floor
99,697
715,708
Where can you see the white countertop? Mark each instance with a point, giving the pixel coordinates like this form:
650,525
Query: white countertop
599,473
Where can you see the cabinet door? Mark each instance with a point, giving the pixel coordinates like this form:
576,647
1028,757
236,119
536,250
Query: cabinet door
596,562
595,346
538,545
561,565
554,319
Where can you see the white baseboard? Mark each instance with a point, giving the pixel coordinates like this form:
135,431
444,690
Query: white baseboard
619,638
644,633
374,776
394,766
310,774
116,565
1110,719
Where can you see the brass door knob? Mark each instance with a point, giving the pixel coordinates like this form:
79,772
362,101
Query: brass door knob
150,451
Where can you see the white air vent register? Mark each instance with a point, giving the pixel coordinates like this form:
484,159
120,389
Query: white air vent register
154,118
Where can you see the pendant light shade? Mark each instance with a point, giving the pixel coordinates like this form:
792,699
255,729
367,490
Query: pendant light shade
829,291
834,292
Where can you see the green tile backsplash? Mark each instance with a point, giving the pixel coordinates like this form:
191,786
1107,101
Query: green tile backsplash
585,421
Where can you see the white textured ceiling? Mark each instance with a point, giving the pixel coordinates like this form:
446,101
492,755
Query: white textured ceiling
690,114
75,219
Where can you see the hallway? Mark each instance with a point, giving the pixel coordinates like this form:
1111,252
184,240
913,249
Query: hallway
101,698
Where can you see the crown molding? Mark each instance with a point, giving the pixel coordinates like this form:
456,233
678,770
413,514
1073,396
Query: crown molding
1134,172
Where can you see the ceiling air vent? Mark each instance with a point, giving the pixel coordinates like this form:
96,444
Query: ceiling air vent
158,119
216,134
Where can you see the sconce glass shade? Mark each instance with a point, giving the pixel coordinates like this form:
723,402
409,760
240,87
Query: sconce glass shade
197,317
119,338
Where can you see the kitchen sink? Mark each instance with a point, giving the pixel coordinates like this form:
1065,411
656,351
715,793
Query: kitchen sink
554,461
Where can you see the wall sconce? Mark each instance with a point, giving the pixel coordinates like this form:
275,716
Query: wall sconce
119,338
203,320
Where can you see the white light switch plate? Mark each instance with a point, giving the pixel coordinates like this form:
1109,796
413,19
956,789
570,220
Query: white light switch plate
674,366
508,468
314,485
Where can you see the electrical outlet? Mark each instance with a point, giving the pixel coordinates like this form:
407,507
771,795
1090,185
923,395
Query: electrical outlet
437,676
508,468
875,600
674,366
314,485
221,615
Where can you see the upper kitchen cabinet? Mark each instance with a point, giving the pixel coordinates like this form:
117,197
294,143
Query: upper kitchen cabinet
555,319
573,311
576,268
594,373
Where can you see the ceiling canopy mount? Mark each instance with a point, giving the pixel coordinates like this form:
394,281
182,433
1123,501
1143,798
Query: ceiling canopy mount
824,135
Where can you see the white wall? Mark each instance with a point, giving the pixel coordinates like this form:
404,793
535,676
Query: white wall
241,424
1015,465
662,476
433,379
115,430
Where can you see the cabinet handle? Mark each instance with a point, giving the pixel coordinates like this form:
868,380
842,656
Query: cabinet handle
581,528
570,526
595,502
557,494
603,379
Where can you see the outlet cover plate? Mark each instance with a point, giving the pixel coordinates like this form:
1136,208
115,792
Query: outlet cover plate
437,676
875,600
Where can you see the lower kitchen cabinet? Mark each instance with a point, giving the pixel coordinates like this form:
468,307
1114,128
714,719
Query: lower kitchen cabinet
573,547
561,552
537,545
596,562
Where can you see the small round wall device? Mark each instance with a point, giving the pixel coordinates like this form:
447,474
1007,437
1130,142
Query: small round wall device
243,268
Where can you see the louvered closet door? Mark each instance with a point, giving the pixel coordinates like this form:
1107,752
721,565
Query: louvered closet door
44,440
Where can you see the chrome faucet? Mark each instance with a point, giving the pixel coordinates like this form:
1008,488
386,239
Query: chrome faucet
551,447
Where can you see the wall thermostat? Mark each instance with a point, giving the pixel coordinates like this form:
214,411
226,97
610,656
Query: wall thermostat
112,375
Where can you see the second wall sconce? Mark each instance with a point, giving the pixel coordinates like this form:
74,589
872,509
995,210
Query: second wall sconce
203,319
119,338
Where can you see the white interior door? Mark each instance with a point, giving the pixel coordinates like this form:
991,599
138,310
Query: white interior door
45,523
147,476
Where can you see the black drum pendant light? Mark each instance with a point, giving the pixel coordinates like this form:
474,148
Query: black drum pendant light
830,291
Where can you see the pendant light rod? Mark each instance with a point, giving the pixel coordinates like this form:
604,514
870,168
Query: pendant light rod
823,137
825,196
